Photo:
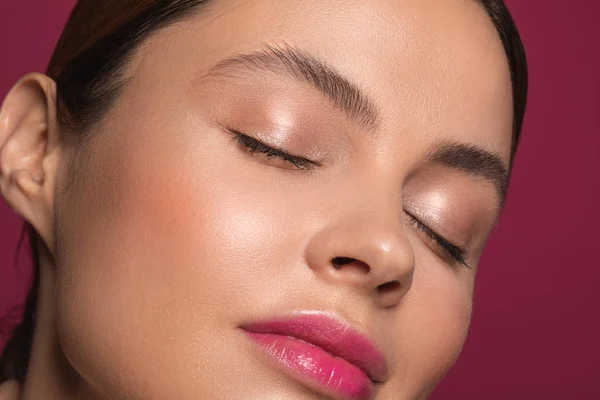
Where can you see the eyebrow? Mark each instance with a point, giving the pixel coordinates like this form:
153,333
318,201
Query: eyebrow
473,160
299,65
348,97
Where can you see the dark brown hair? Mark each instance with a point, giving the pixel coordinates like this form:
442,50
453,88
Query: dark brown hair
95,46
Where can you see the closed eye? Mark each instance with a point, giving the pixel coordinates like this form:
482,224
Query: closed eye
253,146
453,251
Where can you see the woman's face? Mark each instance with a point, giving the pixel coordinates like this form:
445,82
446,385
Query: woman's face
176,240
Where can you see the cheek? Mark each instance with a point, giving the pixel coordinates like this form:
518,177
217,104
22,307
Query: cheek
433,324
156,248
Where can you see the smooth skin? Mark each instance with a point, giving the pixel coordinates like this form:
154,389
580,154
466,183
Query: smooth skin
162,235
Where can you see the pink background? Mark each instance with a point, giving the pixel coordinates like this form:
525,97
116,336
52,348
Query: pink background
536,323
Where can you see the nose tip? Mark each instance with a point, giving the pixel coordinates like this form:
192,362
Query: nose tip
387,286
378,261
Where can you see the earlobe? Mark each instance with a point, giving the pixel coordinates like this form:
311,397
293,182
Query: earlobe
30,151
9,390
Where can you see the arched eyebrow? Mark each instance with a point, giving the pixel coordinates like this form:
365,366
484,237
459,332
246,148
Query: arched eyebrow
473,160
304,67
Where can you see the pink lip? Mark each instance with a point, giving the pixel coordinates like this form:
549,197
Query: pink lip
323,352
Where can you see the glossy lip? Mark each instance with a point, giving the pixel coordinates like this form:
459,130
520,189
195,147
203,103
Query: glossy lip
306,342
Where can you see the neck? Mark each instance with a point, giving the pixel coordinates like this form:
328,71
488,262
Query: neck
50,376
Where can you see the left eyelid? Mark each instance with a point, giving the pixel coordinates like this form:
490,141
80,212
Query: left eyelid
455,251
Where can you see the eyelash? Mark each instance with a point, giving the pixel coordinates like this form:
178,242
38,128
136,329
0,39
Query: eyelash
251,145
456,253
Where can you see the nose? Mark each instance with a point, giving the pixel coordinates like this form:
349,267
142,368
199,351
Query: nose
365,250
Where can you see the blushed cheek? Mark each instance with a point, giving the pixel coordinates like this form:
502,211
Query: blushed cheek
127,283
157,247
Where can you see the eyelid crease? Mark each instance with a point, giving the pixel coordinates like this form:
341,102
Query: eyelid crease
473,160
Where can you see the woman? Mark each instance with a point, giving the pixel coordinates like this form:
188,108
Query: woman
258,200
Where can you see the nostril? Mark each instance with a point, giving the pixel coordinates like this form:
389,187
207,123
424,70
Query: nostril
388,287
350,263
338,262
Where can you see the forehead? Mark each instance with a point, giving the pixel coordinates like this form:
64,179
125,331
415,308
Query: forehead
435,69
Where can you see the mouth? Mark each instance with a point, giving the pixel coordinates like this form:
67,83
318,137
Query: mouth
323,352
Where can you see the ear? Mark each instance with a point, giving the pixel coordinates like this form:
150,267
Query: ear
30,151
9,390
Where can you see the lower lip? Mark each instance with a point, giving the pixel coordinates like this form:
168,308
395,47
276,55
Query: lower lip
314,367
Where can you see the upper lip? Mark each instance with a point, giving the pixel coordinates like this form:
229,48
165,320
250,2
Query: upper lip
331,333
